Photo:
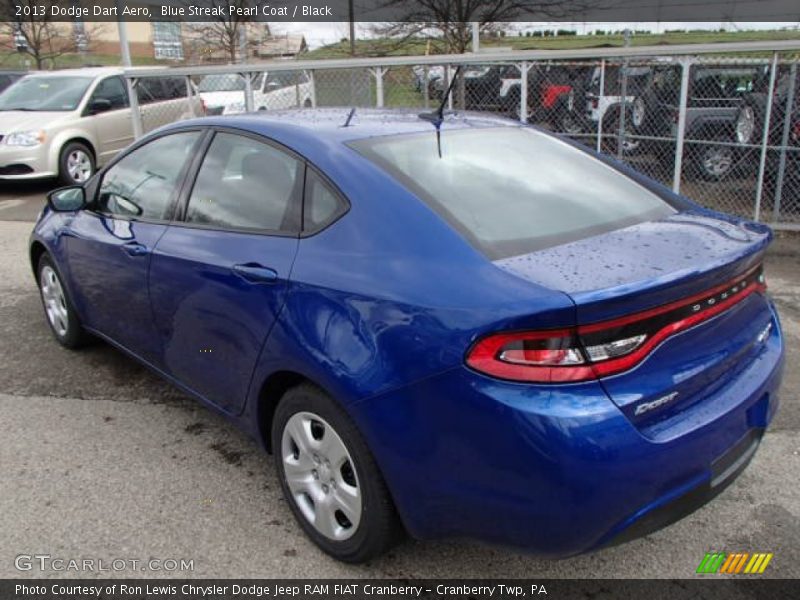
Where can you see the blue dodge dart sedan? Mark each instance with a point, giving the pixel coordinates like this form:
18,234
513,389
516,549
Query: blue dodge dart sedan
460,326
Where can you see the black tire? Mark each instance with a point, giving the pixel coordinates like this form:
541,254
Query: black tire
307,103
70,149
713,162
73,336
568,121
379,528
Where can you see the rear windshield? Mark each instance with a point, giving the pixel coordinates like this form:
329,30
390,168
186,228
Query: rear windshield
512,190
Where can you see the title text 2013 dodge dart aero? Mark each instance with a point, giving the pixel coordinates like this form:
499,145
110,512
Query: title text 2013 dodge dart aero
448,327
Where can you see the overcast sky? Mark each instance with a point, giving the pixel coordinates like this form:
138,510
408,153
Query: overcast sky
319,34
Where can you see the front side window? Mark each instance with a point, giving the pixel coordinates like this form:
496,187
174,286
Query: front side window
143,184
45,93
246,184
512,190
111,89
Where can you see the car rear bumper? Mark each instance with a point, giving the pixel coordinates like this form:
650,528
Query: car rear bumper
556,470
19,162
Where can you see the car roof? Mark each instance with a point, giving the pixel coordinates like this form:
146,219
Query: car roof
327,124
82,71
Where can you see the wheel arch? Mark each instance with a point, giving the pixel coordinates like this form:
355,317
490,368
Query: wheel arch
37,250
270,392
68,137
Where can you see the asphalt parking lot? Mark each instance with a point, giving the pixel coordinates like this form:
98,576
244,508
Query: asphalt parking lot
99,459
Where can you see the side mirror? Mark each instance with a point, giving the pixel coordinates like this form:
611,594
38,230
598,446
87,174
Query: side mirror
67,199
99,105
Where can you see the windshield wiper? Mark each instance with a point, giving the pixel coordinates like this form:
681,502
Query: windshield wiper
22,108
437,117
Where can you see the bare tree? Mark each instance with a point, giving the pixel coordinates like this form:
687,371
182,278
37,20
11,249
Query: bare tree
447,24
225,35
37,36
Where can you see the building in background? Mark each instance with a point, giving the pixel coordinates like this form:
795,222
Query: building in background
180,42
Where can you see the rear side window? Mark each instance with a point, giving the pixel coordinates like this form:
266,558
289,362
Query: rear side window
246,184
143,183
512,190
321,205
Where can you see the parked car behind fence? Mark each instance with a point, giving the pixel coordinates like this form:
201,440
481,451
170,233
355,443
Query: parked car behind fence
66,123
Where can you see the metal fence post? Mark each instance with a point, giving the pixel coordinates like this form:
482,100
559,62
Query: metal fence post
686,65
623,108
313,85
378,73
249,102
599,103
787,129
190,95
136,113
523,92
762,163
426,87
448,74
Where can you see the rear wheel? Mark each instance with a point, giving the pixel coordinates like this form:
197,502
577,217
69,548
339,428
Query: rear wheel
58,308
76,164
330,479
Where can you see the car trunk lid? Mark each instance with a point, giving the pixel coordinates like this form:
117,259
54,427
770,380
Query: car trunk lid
679,290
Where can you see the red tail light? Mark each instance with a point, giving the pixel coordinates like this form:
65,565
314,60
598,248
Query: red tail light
595,103
602,349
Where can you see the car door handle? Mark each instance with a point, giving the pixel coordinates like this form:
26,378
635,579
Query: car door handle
135,249
256,273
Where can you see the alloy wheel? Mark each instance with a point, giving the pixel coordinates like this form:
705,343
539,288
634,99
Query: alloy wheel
321,476
717,161
745,125
55,303
79,166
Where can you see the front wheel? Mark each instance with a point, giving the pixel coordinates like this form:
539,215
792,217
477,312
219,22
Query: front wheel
330,479
58,308
76,164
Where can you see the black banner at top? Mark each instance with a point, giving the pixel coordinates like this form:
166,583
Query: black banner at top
405,10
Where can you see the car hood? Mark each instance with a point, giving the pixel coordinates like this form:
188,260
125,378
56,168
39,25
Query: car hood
22,120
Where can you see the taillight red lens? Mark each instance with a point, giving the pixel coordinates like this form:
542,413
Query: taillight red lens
546,356
606,348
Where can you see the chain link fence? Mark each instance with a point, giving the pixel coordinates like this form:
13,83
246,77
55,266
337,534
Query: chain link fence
723,130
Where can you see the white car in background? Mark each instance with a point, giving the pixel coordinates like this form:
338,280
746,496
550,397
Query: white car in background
68,123
223,94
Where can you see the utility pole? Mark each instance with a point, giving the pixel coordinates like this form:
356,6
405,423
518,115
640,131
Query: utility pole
125,50
122,27
352,17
